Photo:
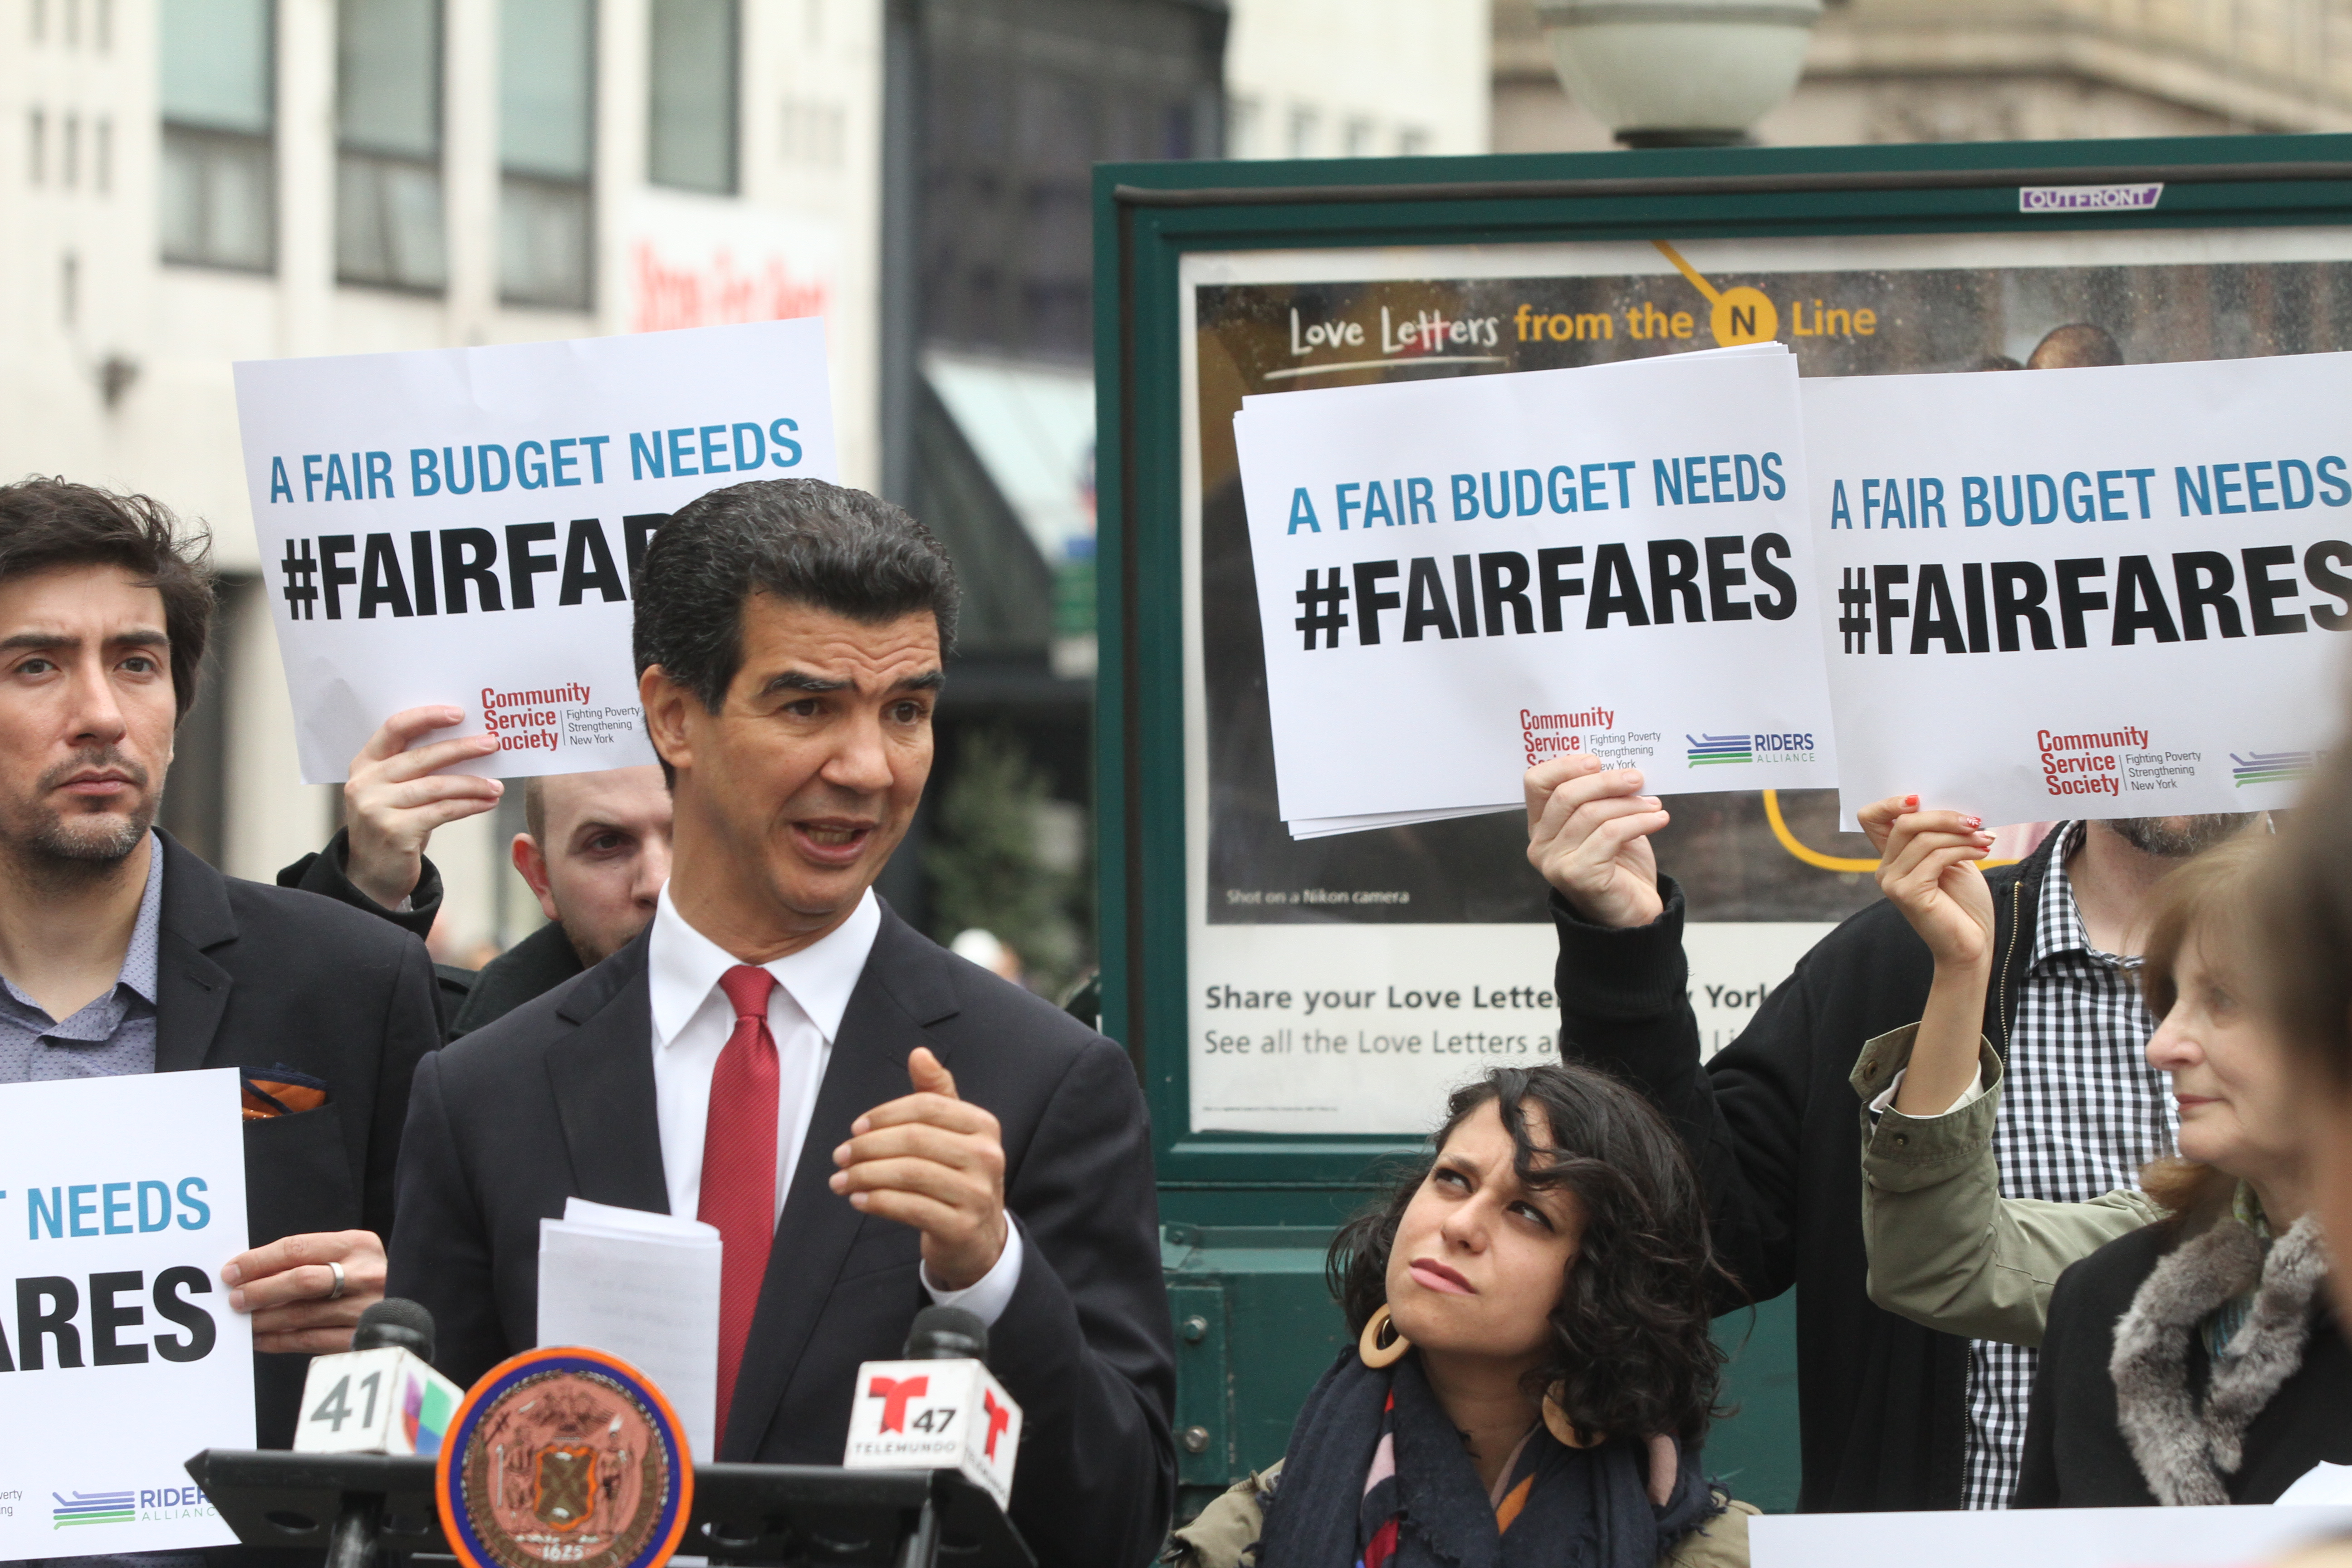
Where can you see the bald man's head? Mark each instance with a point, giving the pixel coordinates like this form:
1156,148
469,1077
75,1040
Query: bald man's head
596,852
2077,345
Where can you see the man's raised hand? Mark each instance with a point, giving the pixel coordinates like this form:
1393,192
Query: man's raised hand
396,796
1589,829
932,1161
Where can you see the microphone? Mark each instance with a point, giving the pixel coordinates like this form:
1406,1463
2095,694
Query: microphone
381,1397
939,1409
394,1324
947,1333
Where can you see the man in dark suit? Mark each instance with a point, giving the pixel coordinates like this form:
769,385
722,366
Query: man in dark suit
872,1123
121,952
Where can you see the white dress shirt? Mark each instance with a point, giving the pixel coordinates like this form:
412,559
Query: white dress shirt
691,1022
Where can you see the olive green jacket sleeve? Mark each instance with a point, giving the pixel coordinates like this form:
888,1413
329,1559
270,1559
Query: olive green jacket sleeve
1226,1534
1946,1250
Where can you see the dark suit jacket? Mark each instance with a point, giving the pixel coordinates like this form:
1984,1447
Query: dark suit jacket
327,872
531,968
258,977
557,1099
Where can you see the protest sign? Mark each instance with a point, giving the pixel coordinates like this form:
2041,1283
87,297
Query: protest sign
461,526
2096,592
121,1198
1486,572
2218,1537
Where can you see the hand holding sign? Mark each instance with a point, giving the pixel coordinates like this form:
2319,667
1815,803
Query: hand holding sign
306,1292
1928,869
1589,829
934,1162
396,796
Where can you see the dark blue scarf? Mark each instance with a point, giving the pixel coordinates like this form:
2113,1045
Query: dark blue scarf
1585,1508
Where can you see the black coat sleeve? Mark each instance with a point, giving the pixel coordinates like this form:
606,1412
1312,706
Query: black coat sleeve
440,1243
1625,1007
1085,1344
327,872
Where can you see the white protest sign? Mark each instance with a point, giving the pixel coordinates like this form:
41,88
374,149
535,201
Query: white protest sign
1458,579
2094,593
2217,1537
121,1198
460,526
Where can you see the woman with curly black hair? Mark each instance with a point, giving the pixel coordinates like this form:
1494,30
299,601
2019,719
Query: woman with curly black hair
1533,1374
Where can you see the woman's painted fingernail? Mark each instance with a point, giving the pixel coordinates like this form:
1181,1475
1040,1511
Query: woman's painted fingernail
1912,801
1973,822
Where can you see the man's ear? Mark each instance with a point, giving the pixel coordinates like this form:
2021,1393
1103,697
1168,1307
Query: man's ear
530,865
666,705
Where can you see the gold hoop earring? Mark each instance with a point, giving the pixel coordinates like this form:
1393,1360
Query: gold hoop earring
1556,1422
1369,1348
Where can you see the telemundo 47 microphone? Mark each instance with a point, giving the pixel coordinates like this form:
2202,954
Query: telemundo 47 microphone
939,1409
381,1395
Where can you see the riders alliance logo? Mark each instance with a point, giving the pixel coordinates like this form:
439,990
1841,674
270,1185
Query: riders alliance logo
2271,767
94,1507
1714,751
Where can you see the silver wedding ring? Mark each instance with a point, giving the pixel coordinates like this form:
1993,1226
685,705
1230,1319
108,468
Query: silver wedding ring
336,1294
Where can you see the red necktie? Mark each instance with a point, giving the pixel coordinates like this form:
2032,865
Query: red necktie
739,1168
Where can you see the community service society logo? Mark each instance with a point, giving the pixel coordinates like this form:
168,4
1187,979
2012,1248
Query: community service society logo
2270,767
94,1507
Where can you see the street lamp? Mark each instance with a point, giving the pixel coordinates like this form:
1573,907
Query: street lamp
1678,73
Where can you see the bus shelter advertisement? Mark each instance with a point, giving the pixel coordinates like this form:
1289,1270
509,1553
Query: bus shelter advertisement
1342,982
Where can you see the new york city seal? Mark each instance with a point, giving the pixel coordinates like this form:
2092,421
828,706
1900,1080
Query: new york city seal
564,1456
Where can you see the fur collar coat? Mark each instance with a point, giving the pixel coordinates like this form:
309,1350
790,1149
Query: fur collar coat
2129,1409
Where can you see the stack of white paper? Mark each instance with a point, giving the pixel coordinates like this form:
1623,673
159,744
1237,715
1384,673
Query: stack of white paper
1459,579
645,1287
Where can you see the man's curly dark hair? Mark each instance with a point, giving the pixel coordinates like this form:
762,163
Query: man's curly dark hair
46,523
1633,1355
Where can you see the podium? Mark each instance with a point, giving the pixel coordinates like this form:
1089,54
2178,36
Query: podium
375,1511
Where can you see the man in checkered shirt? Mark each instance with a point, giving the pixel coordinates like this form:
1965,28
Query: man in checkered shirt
1892,1414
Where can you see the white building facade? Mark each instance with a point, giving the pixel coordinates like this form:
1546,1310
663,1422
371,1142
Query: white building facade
184,183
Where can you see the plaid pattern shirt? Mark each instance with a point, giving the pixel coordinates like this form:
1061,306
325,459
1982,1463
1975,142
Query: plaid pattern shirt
2080,1113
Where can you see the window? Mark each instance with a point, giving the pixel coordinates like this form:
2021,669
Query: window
219,185
547,151
388,211
691,120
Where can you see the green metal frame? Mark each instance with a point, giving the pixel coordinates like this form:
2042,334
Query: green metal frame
1148,215
1249,1214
